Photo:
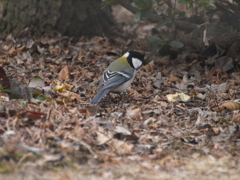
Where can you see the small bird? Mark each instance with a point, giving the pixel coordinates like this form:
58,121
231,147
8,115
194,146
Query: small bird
119,74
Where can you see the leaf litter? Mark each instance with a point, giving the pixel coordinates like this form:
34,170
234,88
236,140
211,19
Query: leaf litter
48,125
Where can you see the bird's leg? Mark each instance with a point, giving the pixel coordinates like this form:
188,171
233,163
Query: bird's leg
109,97
120,95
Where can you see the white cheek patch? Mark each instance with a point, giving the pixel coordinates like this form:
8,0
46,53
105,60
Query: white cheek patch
136,63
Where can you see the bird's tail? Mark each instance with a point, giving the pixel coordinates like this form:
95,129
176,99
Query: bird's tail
99,96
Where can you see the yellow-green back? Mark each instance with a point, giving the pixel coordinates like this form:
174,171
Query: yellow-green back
119,64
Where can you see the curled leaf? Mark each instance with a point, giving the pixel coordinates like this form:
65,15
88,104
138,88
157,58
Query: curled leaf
61,86
227,105
40,96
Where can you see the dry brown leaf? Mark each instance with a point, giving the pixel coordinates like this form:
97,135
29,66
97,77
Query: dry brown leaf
216,130
64,73
173,78
135,93
68,96
35,115
122,130
12,50
20,49
225,96
122,147
84,111
101,138
149,121
149,67
54,49
134,113
236,117
227,105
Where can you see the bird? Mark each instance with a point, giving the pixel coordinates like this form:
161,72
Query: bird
119,74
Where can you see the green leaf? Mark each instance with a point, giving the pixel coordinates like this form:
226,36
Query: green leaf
134,5
211,7
169,23
106,2
173,27
181,14
137,16
159,10
163,22
169,12
1,88
185,1
140,4
39,96
200,9
212,1
146,13
156,40
176,44
153,1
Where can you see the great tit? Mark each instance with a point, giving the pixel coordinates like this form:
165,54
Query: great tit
119,74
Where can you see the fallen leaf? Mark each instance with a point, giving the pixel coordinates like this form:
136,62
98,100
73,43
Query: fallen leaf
134,113
178,97
149,67
122,130
101,138
122,147
216,130
236,117
149,120
58,86
173,78
84,112
64,73
227,105
69,96
35,115
36,81
157,83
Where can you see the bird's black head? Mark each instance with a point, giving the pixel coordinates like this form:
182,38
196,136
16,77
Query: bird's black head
135,59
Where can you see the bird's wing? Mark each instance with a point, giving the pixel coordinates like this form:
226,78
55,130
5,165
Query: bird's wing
112,79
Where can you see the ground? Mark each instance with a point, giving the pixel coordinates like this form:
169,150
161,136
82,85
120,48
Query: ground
49,130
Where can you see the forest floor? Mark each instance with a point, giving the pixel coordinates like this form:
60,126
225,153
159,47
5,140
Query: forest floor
48,129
